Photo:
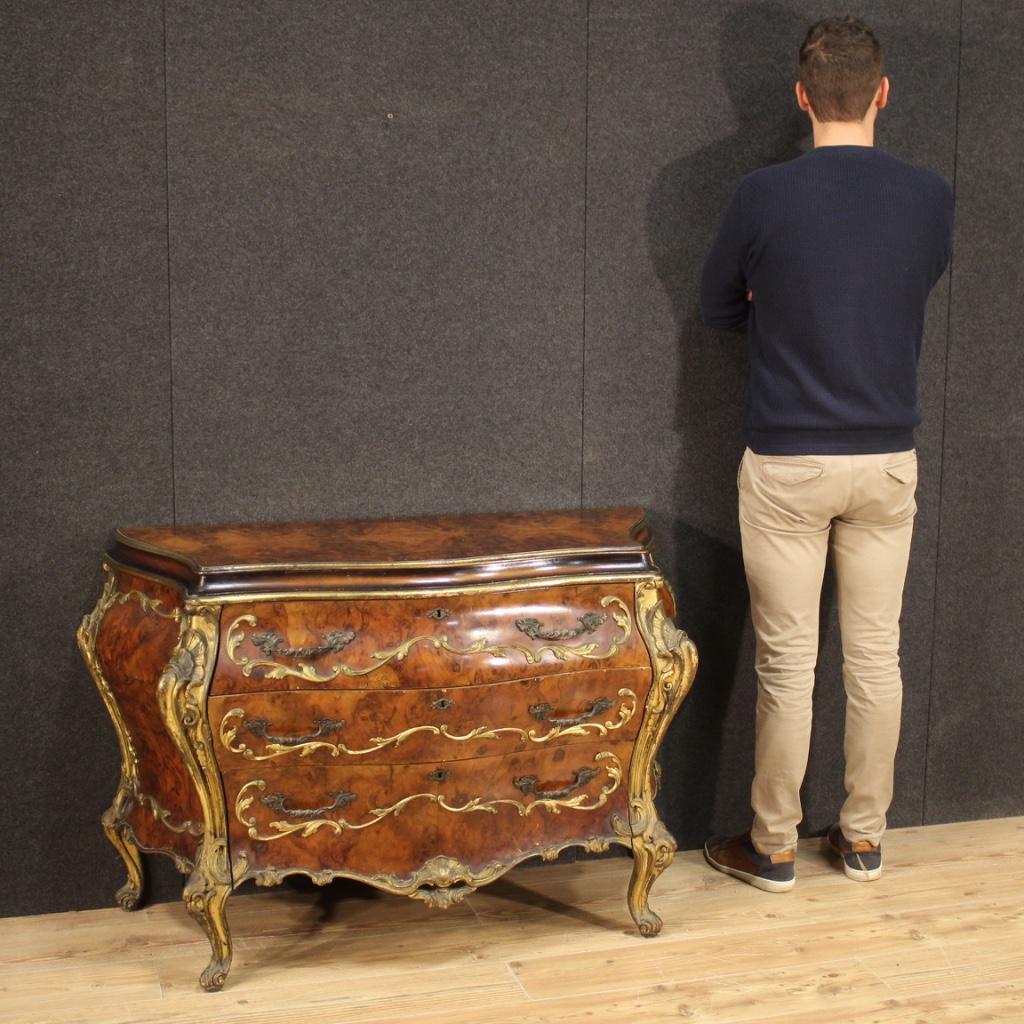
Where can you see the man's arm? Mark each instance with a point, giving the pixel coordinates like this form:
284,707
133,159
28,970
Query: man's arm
723,285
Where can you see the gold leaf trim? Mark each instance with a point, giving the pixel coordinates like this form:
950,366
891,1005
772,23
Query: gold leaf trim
149,604
229,729
193,828
247,796
440,882
129,790
275,670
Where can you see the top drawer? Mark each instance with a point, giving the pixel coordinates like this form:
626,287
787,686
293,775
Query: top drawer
461,639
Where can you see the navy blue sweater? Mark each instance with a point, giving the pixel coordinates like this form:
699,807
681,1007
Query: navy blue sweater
840,248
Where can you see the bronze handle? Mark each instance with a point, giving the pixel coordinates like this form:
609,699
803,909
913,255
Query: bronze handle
589,623
276,802
443,703
438,774
528,783
325,726
271,644
542,712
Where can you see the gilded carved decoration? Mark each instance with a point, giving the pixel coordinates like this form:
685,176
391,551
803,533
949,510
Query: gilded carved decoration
440,882
674,663
307,826
182,693
129,791
272,669
234,720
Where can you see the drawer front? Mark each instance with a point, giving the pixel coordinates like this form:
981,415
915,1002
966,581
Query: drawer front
362,819
409,726
456,640
532,801
391,820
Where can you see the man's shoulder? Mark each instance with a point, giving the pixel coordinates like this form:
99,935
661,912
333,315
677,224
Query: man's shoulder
785,172
925,176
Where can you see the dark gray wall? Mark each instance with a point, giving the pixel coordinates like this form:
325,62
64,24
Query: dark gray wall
325,258
975,765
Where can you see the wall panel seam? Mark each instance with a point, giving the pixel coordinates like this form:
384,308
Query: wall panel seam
167,227
586,197
942,436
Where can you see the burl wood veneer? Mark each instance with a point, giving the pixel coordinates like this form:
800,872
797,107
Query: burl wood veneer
417,703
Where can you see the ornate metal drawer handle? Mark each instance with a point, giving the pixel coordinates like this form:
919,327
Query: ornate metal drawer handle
438,774
542,712
589,623
443,703
276,802
528,783
271,643
325,726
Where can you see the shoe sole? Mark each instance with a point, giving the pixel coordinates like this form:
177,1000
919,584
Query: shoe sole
857,874
764,884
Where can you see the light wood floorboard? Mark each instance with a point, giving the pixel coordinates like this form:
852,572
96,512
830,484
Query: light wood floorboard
938,939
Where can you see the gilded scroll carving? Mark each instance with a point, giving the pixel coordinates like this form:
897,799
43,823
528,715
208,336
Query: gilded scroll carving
129,791
248,795
234,721
182,692
272,669
441,882
674,660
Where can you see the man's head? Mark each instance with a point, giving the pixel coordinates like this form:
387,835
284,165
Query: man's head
841,70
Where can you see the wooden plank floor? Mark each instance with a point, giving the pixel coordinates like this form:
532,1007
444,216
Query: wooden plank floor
939,938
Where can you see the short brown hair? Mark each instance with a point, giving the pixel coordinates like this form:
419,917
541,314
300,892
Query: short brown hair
840,67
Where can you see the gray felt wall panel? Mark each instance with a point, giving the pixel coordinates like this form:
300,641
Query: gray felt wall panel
85,416
975,768
685,98
374,315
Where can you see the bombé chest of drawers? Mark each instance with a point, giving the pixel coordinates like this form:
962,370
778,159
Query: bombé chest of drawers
419,703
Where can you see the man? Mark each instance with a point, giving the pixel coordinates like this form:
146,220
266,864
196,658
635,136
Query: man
826,261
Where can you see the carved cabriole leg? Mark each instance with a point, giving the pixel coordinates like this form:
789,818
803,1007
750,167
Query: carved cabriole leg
130,894
182,692
653,851
674,663
114,818
206,893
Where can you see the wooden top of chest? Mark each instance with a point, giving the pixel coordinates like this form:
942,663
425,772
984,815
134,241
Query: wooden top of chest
245,560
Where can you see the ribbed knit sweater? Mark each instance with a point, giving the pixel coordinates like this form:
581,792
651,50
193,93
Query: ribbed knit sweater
840,248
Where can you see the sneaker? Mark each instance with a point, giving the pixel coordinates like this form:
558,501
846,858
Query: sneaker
736,856
862,860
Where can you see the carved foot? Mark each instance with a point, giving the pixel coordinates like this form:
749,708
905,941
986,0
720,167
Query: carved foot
129,895
205,900
212,979
648,923
652,853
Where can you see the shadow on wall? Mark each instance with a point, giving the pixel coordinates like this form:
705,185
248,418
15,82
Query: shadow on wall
757,63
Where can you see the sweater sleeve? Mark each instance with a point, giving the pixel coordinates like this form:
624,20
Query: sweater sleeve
723,286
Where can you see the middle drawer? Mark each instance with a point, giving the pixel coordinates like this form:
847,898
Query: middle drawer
288,727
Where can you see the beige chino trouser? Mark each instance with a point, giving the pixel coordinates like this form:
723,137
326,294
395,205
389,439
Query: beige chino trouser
794,510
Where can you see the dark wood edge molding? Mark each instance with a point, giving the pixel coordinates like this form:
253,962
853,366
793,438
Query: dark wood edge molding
219,582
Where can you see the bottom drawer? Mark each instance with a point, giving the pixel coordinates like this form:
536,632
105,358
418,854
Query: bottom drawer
389,820
533,801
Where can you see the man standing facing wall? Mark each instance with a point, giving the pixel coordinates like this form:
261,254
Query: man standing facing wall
827,261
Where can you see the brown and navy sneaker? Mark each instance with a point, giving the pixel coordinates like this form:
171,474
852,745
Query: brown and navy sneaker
736,856
862,860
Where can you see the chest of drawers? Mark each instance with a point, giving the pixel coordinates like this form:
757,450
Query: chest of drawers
420,703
